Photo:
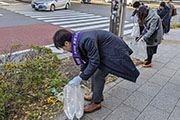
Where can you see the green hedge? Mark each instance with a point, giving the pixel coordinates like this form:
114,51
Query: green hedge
25,87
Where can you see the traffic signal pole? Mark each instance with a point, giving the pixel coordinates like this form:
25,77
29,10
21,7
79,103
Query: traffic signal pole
118,11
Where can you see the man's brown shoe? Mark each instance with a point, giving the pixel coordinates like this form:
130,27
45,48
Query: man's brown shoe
92,107
89,98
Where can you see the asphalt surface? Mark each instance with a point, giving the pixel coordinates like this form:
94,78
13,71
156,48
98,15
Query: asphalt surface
13,19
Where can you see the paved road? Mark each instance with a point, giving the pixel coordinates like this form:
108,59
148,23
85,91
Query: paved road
9,18
71,19
76,20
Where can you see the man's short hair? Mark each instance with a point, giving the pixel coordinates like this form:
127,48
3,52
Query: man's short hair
60,37
136,4
163,4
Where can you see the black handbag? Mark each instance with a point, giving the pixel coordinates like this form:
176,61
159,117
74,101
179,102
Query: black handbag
174,12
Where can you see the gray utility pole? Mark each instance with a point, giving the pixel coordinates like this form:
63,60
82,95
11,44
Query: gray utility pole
118,8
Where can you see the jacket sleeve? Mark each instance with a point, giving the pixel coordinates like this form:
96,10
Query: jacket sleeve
152,28
134,13
83,67
91,48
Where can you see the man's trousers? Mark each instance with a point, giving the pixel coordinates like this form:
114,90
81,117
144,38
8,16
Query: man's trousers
97,85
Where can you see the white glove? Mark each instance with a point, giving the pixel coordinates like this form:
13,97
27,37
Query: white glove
75,81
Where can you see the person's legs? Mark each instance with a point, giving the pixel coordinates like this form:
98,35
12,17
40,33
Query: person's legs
169,25
98,81
150,52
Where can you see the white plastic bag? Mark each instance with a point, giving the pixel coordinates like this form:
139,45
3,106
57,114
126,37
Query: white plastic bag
135,30
139,49
73,96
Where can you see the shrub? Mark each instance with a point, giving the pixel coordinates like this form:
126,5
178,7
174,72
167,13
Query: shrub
25,86
175,25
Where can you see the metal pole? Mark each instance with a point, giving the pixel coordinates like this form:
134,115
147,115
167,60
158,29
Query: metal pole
122,13
114,18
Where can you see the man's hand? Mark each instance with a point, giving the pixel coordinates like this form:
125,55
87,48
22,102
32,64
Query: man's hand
76,80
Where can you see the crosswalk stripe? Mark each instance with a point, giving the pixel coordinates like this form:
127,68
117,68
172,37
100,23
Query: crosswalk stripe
75,21
54,20
69,16
90,27
91,23
60,15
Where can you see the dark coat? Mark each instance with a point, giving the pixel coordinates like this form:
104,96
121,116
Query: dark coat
106,51
164,15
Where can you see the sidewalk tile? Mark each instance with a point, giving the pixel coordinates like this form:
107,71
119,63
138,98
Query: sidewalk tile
178,72
152,113
120,93
150,89
172,65
111,102
178,104
164,102
178,56
169,55
141,79
123,112
99,114
167,72
171,90
159,79
145,74
163,59
109,86
175,115
148,71
128,85
176,60
157,65
138,101
85,117
175,80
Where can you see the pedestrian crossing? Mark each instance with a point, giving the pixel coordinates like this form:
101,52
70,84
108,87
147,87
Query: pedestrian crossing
74,20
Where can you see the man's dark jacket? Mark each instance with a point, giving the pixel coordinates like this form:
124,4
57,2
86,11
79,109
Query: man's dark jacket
106,51
164,15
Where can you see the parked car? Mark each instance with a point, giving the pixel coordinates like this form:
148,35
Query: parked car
130,2
85,1
107,1
50,4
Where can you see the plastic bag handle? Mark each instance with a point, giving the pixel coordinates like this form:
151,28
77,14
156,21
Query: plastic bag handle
61,96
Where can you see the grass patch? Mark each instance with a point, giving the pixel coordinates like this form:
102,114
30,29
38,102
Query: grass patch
175,25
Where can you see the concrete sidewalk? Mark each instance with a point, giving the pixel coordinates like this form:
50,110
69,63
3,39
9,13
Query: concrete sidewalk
155,96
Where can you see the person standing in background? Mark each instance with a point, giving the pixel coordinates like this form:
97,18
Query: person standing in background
172,7
152,33
137,5
163,12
